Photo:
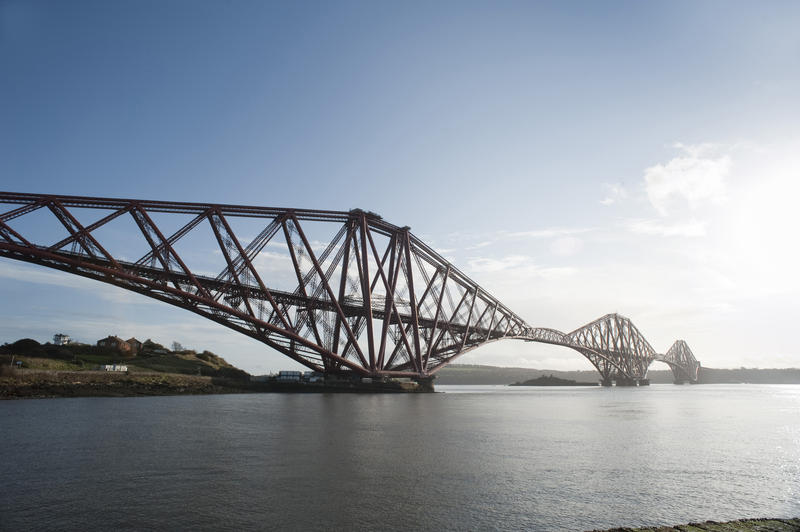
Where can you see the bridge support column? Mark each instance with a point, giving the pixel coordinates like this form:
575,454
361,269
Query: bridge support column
627,381
606,381
426,383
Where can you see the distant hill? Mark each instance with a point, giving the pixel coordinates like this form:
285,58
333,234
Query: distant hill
476,374
750,375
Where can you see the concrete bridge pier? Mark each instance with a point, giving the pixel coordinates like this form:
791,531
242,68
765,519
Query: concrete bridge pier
426,383
621,380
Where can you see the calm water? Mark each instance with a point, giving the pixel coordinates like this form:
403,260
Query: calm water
473,458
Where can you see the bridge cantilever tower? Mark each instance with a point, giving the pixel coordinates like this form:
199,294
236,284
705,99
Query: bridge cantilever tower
619,351
685,367
336,291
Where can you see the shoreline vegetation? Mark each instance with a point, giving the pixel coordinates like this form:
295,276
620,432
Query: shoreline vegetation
29,369
742,525
41,384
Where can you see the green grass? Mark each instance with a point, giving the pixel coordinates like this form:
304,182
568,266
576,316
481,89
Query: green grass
84,357
48,364
99,359
167,364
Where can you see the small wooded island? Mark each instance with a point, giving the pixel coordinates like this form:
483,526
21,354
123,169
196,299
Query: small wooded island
550,380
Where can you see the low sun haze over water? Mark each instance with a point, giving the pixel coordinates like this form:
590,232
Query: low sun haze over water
473,457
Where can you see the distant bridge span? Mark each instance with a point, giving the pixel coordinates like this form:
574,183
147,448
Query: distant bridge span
336,291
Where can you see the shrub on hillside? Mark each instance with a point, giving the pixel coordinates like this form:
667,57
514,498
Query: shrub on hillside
26,346
226,372
212,358
59,352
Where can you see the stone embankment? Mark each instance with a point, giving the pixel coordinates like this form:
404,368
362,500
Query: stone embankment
32,384
19,384
744,525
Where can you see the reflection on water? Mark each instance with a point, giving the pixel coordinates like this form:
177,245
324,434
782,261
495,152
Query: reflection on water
474,457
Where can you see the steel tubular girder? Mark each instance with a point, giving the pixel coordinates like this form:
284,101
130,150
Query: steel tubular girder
372,299
386,326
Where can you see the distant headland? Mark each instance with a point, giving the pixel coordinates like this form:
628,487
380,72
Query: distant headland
550,380
480,374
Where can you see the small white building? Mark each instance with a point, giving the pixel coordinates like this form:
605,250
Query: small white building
114,367
61,339
289,376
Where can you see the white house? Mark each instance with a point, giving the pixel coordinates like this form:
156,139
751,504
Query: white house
61,339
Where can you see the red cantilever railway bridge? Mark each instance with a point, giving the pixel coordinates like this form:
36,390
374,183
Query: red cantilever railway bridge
339,292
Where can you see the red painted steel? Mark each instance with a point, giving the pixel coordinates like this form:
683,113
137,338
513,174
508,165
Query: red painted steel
355,307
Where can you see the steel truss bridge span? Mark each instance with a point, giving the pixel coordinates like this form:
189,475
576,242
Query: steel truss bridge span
337,291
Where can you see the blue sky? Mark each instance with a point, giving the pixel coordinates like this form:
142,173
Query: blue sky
574,158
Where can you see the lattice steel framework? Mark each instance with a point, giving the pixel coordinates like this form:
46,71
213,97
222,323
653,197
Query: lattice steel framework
622,346
685,367
370,299
618,350
374,300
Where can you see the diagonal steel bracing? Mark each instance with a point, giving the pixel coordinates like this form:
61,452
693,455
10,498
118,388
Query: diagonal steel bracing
363,295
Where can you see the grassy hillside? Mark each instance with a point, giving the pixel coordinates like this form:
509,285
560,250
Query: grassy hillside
82,357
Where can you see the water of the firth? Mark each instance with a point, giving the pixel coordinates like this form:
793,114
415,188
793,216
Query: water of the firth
473,458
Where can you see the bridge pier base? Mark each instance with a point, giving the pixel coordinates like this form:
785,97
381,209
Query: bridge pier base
426,383
606,381
627,381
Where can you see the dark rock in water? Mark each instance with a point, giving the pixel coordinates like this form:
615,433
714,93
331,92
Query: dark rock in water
744,525
552,381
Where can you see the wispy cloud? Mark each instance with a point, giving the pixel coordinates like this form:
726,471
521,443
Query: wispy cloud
696,176
615,192
25,273
550,232
480,245
444,251
520,265
692,228
486,264
31,274
566,246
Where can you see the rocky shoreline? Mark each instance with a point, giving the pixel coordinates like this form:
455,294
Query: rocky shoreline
743,525
33,384
43,384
